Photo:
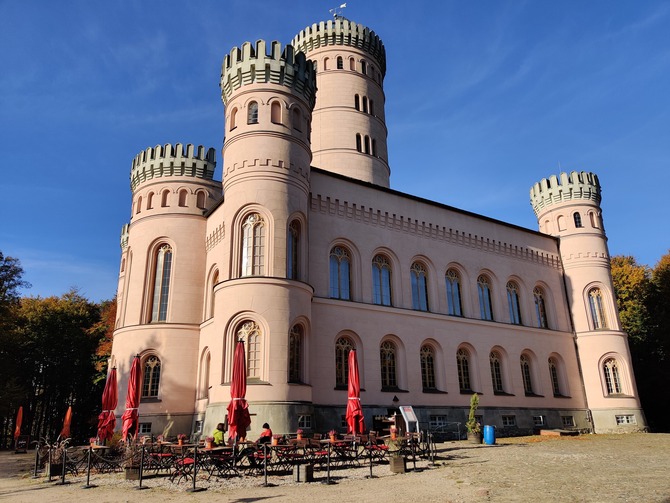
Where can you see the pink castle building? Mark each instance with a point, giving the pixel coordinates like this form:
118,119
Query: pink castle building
305,252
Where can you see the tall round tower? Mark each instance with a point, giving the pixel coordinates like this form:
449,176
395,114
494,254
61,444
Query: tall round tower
262,296
348,126
161,279
568,206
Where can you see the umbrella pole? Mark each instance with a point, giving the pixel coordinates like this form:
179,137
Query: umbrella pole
195,489
141,474
370,457
88,469
62,471
50,465
37,460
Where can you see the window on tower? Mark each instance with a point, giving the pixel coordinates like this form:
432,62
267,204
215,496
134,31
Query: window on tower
340,265
578,220
597,309
340,63
253,246
252,113
161,289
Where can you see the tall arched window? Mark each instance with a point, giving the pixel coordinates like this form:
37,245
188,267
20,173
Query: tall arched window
204,375
164,198
342,348
427,355
364,67
496,372
253,246
540,308
453,282
578,219
553,372
293,250
340,265
463,365
201,197
612,379
365,104
485,305
275,112
357,102
138,207
597,308
340,63
215,280
183,194
250,333
513,302
358,142
525,375
352,64
381,281
366,144
150,200
151,376
295,343
252,113
387,355
419,287
162,270
326,64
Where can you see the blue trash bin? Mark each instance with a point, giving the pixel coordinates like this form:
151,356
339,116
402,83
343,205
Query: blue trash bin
489,434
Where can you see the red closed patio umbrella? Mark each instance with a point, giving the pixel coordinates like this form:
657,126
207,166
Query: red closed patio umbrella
17,425
355,419
238,408
110,399
131,415
65,432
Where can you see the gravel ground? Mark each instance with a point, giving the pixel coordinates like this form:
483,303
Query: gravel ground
588,468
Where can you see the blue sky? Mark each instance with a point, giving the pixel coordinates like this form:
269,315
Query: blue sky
483,99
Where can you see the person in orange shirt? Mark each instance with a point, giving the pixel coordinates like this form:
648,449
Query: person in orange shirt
266,435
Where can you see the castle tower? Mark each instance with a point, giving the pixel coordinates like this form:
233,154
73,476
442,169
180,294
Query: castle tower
568,207
262,296
161,279
348,126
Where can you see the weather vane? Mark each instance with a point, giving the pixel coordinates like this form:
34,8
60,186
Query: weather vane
337,11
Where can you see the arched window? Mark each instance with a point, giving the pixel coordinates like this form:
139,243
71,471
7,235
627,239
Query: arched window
138,207
293,250
381,281
525,375
463,365
325,63
183,193
161,291
253,246
427,367
374,147
419,287
553,372
340,265
453,282
215,280
204,375
594,220
295,343
540,308
250,333
365,104
150,200
496,372
275,112
578,219
151,376
352,64
358,142
372,108
367,144
201,198
297,119
597,309
387,355
364,67
513,302
485,305
561,222
233,119
252,113
164,198
342,348
357,102
340,63
612,379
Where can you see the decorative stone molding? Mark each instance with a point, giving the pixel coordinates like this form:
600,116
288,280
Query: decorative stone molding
253,65
267,163
370,216
163,161
215,236
341,32
575,186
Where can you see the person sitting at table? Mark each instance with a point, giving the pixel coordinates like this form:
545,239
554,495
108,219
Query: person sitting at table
218,434
266,435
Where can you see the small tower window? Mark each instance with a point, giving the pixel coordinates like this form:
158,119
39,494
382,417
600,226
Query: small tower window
138,208
374,147
297,119
150,201
275,112
200,199
164,198
364,67
365,104
367,144
357,102
233,119
372,108
358,142
252,113
340,63
578,220
182,197
352,64
325,64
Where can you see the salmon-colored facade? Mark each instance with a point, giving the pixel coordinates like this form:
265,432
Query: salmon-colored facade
304,252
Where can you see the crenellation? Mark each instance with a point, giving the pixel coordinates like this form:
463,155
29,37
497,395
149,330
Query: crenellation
168,160
341,32
577,185
253,65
